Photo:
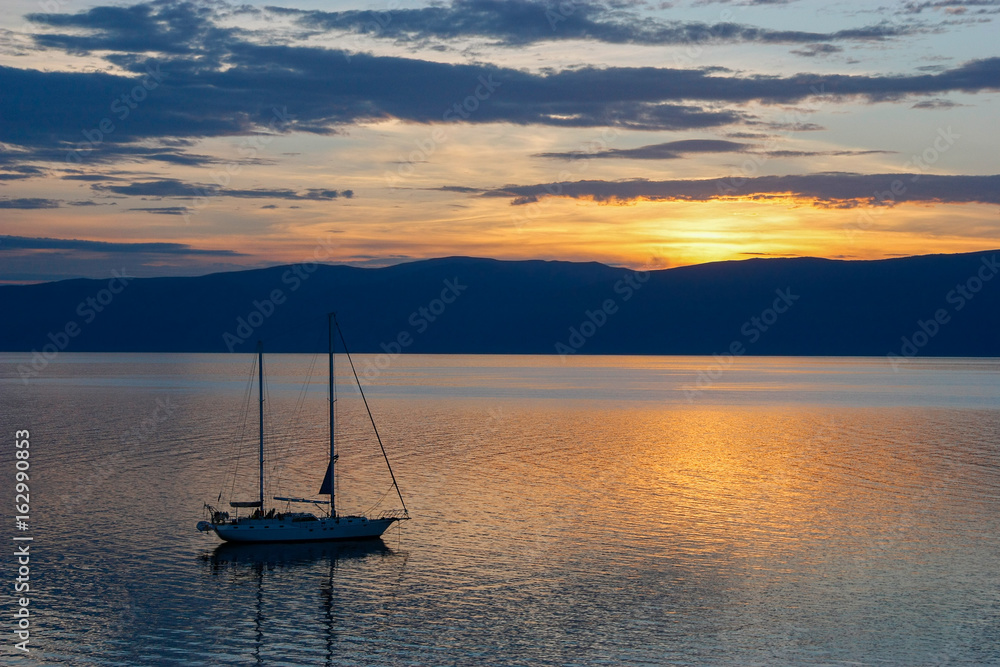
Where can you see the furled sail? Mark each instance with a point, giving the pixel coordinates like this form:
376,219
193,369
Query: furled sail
324,488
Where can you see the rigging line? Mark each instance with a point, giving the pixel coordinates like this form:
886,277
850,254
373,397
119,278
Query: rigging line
372,419
241,438
279,443
250,400
378,502
334,424
237,438
273,438
285,444
270,437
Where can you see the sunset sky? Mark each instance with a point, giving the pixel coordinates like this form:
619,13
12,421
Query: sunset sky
173,138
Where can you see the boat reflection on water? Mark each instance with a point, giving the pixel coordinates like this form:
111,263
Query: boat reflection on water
301,580
271,555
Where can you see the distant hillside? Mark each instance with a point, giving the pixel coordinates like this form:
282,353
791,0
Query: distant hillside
464,305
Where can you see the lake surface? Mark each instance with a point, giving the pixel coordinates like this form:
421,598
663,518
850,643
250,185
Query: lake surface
605,510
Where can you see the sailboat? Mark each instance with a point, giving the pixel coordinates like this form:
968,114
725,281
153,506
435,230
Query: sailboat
270,525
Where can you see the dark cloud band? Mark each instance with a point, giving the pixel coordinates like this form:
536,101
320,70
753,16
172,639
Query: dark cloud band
210,81
31,243
521,22
675,150
843,190
169,187
327,92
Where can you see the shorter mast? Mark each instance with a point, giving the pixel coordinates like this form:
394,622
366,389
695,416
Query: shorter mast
333,452
260,393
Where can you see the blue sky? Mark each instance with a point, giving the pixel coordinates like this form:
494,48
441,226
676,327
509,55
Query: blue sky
178,138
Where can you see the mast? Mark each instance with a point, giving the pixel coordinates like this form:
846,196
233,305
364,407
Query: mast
260,394
333,451
370,417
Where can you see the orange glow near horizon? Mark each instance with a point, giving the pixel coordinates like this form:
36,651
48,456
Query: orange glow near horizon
643,234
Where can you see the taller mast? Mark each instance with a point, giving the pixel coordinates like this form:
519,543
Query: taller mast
260,394
333,451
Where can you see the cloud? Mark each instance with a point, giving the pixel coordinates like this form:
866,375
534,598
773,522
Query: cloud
936,103
165,27
671,150
158,248
163,210
89,177
20,172
77,150
788,153
327,91
674,150
814,50
521,22
169,187
459,188
217,82
747,3
161,188
29,203
952,6
792,127
321,194
837,189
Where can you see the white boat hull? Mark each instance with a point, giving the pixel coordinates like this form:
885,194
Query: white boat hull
287,530
263,525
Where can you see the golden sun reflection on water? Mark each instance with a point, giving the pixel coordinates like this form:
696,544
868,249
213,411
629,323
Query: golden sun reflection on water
799,512
812,490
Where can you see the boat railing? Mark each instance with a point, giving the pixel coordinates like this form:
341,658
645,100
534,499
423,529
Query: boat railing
397,514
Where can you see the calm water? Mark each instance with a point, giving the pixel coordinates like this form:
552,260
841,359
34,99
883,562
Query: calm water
602,511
